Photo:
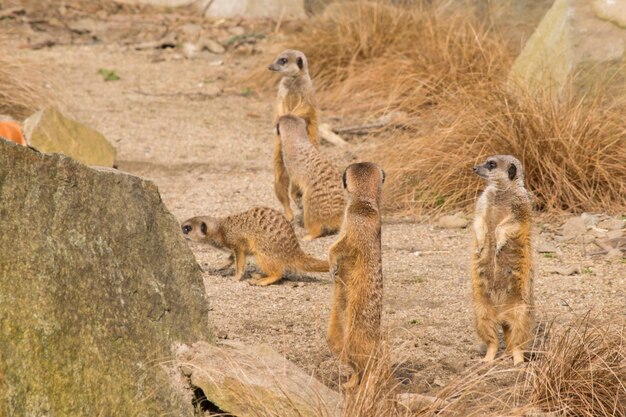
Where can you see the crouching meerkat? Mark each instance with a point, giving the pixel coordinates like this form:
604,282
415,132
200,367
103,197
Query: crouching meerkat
260,232
319,180
501,263
355,259
295,96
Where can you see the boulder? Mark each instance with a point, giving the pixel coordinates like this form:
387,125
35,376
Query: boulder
249,381
574,42
96,286
161,3
50,131
254,8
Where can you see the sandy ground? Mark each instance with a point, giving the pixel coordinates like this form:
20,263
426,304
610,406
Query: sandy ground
185,125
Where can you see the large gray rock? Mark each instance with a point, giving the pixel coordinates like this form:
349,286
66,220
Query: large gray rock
574,41
250,381
254,8
50,131
96,285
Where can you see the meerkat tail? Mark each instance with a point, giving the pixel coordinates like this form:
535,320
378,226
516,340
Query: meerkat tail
308,263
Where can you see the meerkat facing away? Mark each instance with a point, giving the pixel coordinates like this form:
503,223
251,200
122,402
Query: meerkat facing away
295,96
502,260
319,180
261,232
355,259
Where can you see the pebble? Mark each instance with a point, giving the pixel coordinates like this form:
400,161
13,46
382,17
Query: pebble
214,46
612,224
573,228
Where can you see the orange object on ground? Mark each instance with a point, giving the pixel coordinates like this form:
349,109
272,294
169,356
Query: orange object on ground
12,131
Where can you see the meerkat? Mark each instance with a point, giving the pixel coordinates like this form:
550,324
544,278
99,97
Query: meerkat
319,180
12,131
260,232
501,264
355,259
297,97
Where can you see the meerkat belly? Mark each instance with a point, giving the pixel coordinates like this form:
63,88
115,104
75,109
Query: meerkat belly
500,282
290,102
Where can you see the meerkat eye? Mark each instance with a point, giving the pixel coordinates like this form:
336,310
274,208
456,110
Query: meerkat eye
512,172
491,165
203,228
282,61
186,229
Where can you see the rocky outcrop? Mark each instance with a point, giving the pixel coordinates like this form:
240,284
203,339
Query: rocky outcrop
575,43
50,131
254,8
248,381
96,286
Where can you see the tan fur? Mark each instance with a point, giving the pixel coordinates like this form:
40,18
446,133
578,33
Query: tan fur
354,332
319,180
297,97
502,261
261,232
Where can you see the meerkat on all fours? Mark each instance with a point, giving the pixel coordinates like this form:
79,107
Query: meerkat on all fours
502,261
297,97
355,259
322,199
260,232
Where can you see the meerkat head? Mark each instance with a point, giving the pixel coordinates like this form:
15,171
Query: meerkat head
363,180
291,125
200,229
501,170
290,63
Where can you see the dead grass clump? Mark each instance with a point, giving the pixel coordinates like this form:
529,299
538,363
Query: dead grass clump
581,372
572,150
21,90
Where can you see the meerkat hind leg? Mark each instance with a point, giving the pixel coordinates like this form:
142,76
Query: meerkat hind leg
353,382
240,265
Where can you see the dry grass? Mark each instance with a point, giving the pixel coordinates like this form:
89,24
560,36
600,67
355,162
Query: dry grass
21,89
579,370
448,74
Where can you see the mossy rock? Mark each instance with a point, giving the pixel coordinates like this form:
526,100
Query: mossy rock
96,286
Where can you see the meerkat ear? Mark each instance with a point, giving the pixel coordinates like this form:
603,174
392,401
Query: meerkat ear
512,172
384,175
278,129
300,62
344,179
204,228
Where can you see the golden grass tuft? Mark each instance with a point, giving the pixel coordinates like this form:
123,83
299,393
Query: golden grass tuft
21,89
447,73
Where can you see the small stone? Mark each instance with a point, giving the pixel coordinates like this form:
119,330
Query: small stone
614,255
452,222
546,248
612,224
214,46
236,30
190,50
614,234
222,335
573,228
589,219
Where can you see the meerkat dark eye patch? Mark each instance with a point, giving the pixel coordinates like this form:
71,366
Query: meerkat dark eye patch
186,229
282,61
491,165
203,228
300,63
344,179
512,171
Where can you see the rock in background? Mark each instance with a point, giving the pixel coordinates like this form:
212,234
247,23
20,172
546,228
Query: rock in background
50,131
254,8
96,285
579,39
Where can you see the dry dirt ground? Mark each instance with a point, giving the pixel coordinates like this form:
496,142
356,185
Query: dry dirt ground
186,125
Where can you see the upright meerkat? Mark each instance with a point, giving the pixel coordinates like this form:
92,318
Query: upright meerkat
297,97
261,232
319,180
355,259
501,264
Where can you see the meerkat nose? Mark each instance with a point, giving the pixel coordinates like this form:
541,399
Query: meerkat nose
475,169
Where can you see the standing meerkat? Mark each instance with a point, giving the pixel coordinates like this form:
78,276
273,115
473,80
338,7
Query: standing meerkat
261,232
501,264
355,259
319,180
295,96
